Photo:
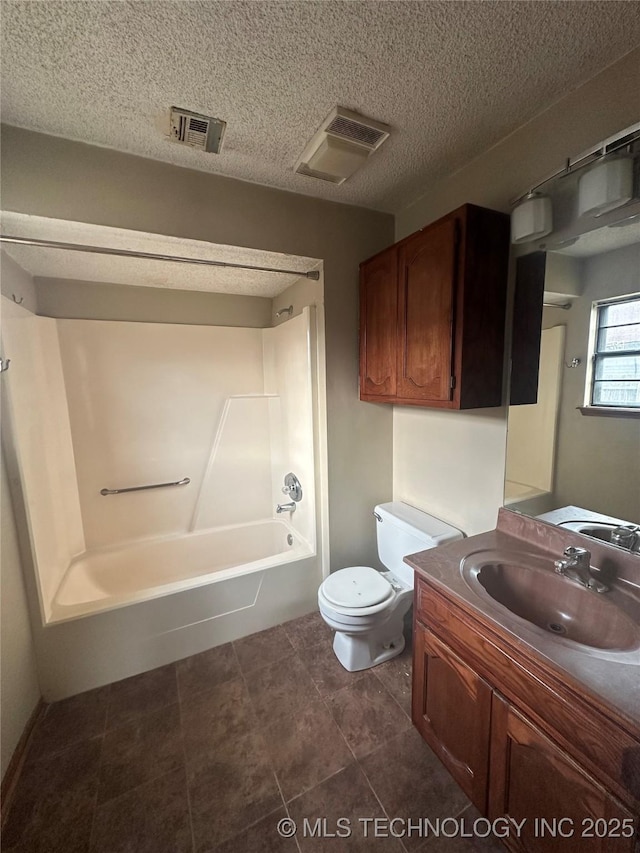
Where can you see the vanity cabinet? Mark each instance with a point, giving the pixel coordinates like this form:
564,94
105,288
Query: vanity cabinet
442,681
518,740
532,778
432,314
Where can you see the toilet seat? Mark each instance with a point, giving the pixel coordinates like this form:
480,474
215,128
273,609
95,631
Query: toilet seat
356,587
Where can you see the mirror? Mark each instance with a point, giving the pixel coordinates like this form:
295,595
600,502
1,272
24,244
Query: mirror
571,463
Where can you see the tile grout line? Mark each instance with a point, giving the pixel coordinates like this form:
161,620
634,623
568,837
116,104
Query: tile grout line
295,651
286,808
99,773
348,687
321,782
342,734
136,717
267,752
184,756
373,791
328,709
243,830
393,697
464,809
137,787
356,759
323,699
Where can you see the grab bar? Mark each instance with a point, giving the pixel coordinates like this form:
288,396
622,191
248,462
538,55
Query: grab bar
183,482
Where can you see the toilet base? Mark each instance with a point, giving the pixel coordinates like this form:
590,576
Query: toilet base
362,651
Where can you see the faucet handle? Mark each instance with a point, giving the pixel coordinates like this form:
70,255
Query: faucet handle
292,487
573,558
626,535
573,551
578,556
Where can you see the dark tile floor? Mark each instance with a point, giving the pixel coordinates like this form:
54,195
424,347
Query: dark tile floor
210,753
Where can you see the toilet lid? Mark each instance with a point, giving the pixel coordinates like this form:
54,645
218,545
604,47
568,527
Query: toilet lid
357,586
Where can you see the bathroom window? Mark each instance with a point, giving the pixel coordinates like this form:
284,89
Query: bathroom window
615,369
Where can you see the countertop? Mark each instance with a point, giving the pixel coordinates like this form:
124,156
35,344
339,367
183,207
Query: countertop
610,681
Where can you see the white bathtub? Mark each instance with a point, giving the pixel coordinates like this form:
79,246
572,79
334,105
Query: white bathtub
116,576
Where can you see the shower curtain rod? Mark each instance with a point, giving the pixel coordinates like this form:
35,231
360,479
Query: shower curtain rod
129,253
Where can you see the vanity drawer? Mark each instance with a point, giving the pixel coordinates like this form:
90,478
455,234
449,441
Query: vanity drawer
580,727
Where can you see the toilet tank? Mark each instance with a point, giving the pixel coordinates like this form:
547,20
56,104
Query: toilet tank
402,529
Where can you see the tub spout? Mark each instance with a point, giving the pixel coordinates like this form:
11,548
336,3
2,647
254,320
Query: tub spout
290,507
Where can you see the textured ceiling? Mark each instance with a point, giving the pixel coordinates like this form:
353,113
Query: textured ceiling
451,78
603,240
59,263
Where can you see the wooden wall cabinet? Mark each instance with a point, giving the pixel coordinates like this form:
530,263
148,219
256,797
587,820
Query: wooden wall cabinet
517,746
432,314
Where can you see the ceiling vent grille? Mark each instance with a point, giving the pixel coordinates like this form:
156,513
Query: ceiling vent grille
197,131
364,134
341,146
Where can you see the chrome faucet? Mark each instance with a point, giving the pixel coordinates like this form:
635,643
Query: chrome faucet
626,536
290,507
576,566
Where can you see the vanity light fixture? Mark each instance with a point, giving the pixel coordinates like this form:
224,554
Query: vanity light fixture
606,183
606,186
532,218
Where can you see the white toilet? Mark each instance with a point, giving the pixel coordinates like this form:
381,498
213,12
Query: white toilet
365,607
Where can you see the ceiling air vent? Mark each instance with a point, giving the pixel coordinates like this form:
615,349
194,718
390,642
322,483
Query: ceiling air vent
342,144
197,131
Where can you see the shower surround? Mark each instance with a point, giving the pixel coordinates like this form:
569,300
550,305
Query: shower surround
128,581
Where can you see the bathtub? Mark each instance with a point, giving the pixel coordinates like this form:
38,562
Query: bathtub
116,576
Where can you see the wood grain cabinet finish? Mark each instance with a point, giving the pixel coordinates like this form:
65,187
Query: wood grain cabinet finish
563,808
461,739
378,335
518,740
432,314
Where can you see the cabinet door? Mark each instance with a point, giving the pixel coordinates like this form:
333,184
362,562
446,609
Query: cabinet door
378,324
534,780
452,712
426,304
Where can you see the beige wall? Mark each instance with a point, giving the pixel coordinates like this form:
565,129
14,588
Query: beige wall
53,177
77,300
452,463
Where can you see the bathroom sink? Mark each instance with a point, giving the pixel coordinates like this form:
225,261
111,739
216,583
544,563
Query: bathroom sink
527,587
597,530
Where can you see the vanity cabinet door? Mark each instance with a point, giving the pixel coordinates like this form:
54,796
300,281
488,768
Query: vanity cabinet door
452,711
378,325
533,779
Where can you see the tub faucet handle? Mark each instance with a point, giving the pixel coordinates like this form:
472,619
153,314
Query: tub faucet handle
292,487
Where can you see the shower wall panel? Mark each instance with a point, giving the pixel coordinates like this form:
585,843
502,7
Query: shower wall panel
145,402
236,488
39,443
287,369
